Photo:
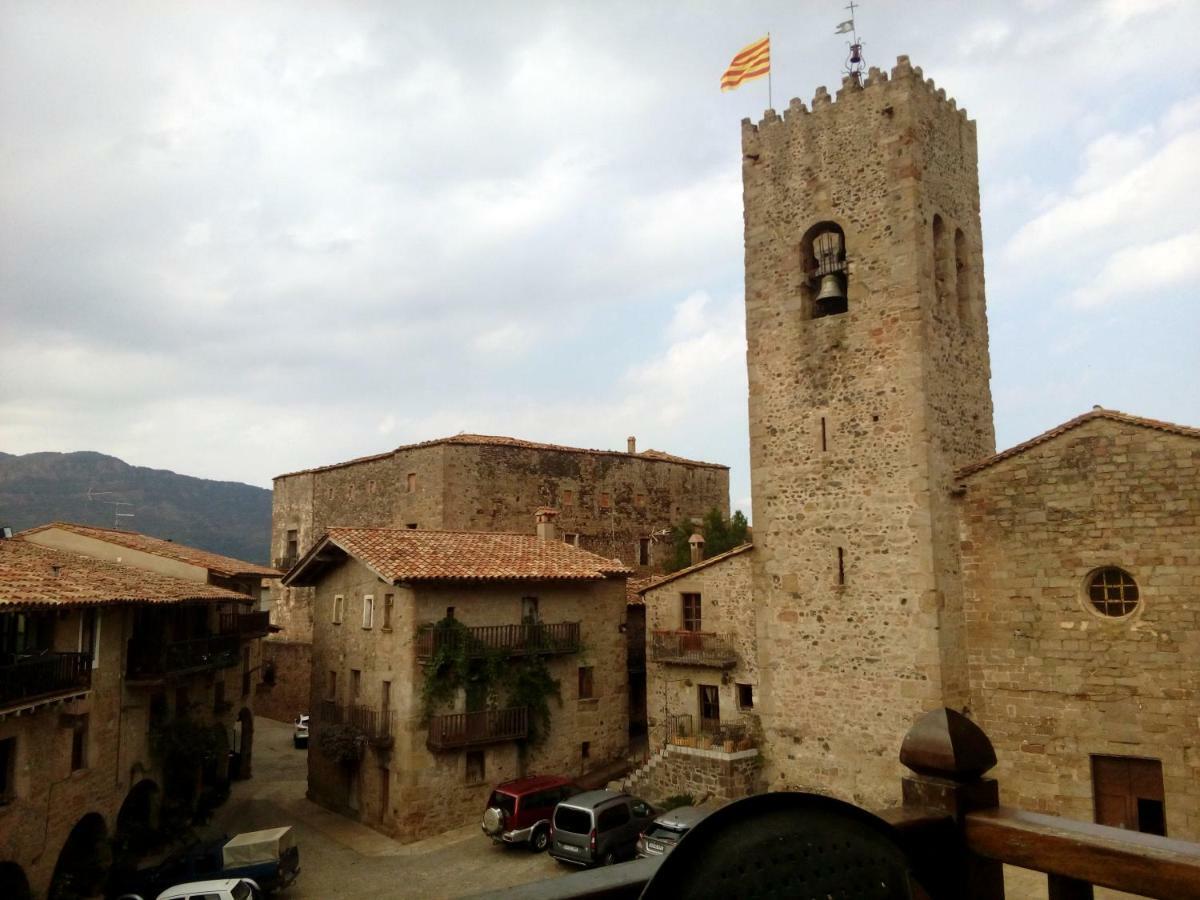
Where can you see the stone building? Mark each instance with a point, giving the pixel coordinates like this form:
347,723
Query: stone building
404,613
868,378
94,656
613,503
1081,562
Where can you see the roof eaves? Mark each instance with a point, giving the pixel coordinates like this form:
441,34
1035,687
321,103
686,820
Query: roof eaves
703,564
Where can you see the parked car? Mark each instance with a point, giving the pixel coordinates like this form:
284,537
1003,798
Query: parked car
519,811
267,860
665,831
300,732
598,827
224,889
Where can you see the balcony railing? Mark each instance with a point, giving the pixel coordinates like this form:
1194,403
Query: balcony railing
512,640
693,648
29,679
376,724
283,563
708,734
151,660
488,726
245,625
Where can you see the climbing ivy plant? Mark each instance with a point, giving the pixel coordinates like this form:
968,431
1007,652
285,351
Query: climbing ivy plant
460,662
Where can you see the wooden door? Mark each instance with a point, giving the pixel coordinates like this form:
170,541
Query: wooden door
1128,793
710,709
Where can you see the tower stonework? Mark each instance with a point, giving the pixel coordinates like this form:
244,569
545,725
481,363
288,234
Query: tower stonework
861,407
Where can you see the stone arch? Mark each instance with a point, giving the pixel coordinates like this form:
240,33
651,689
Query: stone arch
962,274
822,258
83,861
245,748
137,828
13,883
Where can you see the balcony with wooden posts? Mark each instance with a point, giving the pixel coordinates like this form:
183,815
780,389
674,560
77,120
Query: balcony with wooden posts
150,661
951,834
245,625
376,725
693,648
29,680
528,638
456,731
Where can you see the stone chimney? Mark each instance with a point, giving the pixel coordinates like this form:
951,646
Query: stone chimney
546,529
631,443
696,545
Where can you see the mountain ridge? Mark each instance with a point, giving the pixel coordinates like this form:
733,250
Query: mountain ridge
226,517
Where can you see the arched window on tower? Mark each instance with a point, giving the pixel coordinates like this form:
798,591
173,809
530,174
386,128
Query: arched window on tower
962,275
823,257
941,263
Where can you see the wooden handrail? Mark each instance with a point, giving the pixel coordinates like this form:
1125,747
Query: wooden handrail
1115,858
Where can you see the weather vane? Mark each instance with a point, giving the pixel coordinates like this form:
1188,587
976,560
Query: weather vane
854,62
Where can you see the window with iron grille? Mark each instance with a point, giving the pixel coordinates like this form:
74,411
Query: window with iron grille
1113,592
691,612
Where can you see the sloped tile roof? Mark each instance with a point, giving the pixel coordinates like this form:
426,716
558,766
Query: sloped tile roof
36,576
214,562
704,564
633,590
491,440
407,554
1098,412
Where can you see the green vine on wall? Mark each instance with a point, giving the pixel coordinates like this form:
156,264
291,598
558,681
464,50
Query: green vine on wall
461,662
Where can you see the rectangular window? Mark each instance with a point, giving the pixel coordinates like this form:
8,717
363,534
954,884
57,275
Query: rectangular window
8,769
355,684
644,551
605,500
339,608
571,538
529,610
411,526
585,750
476,772
388,601
331,685
385,698
691,612
568,498
587,687
293,542
79,743
411,483
745,695
87,633
368,619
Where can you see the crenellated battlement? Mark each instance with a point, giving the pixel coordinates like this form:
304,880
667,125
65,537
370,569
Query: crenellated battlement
878,85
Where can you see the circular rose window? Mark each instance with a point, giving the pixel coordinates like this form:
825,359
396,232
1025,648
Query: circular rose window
1113,592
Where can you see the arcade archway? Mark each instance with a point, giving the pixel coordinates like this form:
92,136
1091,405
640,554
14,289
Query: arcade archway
83,861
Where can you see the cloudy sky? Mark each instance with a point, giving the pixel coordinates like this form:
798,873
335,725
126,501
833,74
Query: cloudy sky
238,239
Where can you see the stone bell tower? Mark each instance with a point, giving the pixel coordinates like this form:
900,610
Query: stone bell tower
868,371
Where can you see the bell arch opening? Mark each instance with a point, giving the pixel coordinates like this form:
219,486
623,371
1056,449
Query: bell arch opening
823,266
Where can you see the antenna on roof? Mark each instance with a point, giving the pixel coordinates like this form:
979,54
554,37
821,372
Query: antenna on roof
854,61
115,504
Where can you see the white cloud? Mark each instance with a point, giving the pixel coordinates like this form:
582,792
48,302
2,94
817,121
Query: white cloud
1138,274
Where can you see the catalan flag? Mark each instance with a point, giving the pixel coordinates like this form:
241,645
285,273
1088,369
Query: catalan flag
753,61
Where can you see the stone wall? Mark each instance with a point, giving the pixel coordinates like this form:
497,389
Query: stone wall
289,695
428,792
857,421
1053,682
704,774
727,609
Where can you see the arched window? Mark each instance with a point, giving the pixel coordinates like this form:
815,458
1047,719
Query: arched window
962,274
823,259
941,262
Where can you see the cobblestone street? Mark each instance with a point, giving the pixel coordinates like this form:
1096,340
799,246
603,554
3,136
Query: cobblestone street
340,858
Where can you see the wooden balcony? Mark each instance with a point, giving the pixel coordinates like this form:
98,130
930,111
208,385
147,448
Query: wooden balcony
693,648
246,625
473,729
511,640
151,661
29,680
376,724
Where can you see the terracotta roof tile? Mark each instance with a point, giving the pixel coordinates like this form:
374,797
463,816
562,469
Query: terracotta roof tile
490,440
1096,413
31,575
704,564
406,554
633,590
214,562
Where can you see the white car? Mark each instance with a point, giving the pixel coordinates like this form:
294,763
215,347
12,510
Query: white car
226,889
300,732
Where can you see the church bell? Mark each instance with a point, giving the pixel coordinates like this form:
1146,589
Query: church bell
831,288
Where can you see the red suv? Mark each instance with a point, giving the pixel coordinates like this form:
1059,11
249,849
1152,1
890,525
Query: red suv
519,811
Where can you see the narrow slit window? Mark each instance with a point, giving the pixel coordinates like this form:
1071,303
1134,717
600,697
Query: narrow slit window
824,441
841,575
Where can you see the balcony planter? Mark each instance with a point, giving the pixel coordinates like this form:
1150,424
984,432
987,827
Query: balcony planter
342,744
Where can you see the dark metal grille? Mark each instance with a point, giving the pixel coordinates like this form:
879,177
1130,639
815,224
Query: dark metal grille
1113,592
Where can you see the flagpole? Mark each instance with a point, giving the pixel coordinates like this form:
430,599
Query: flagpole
770,105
